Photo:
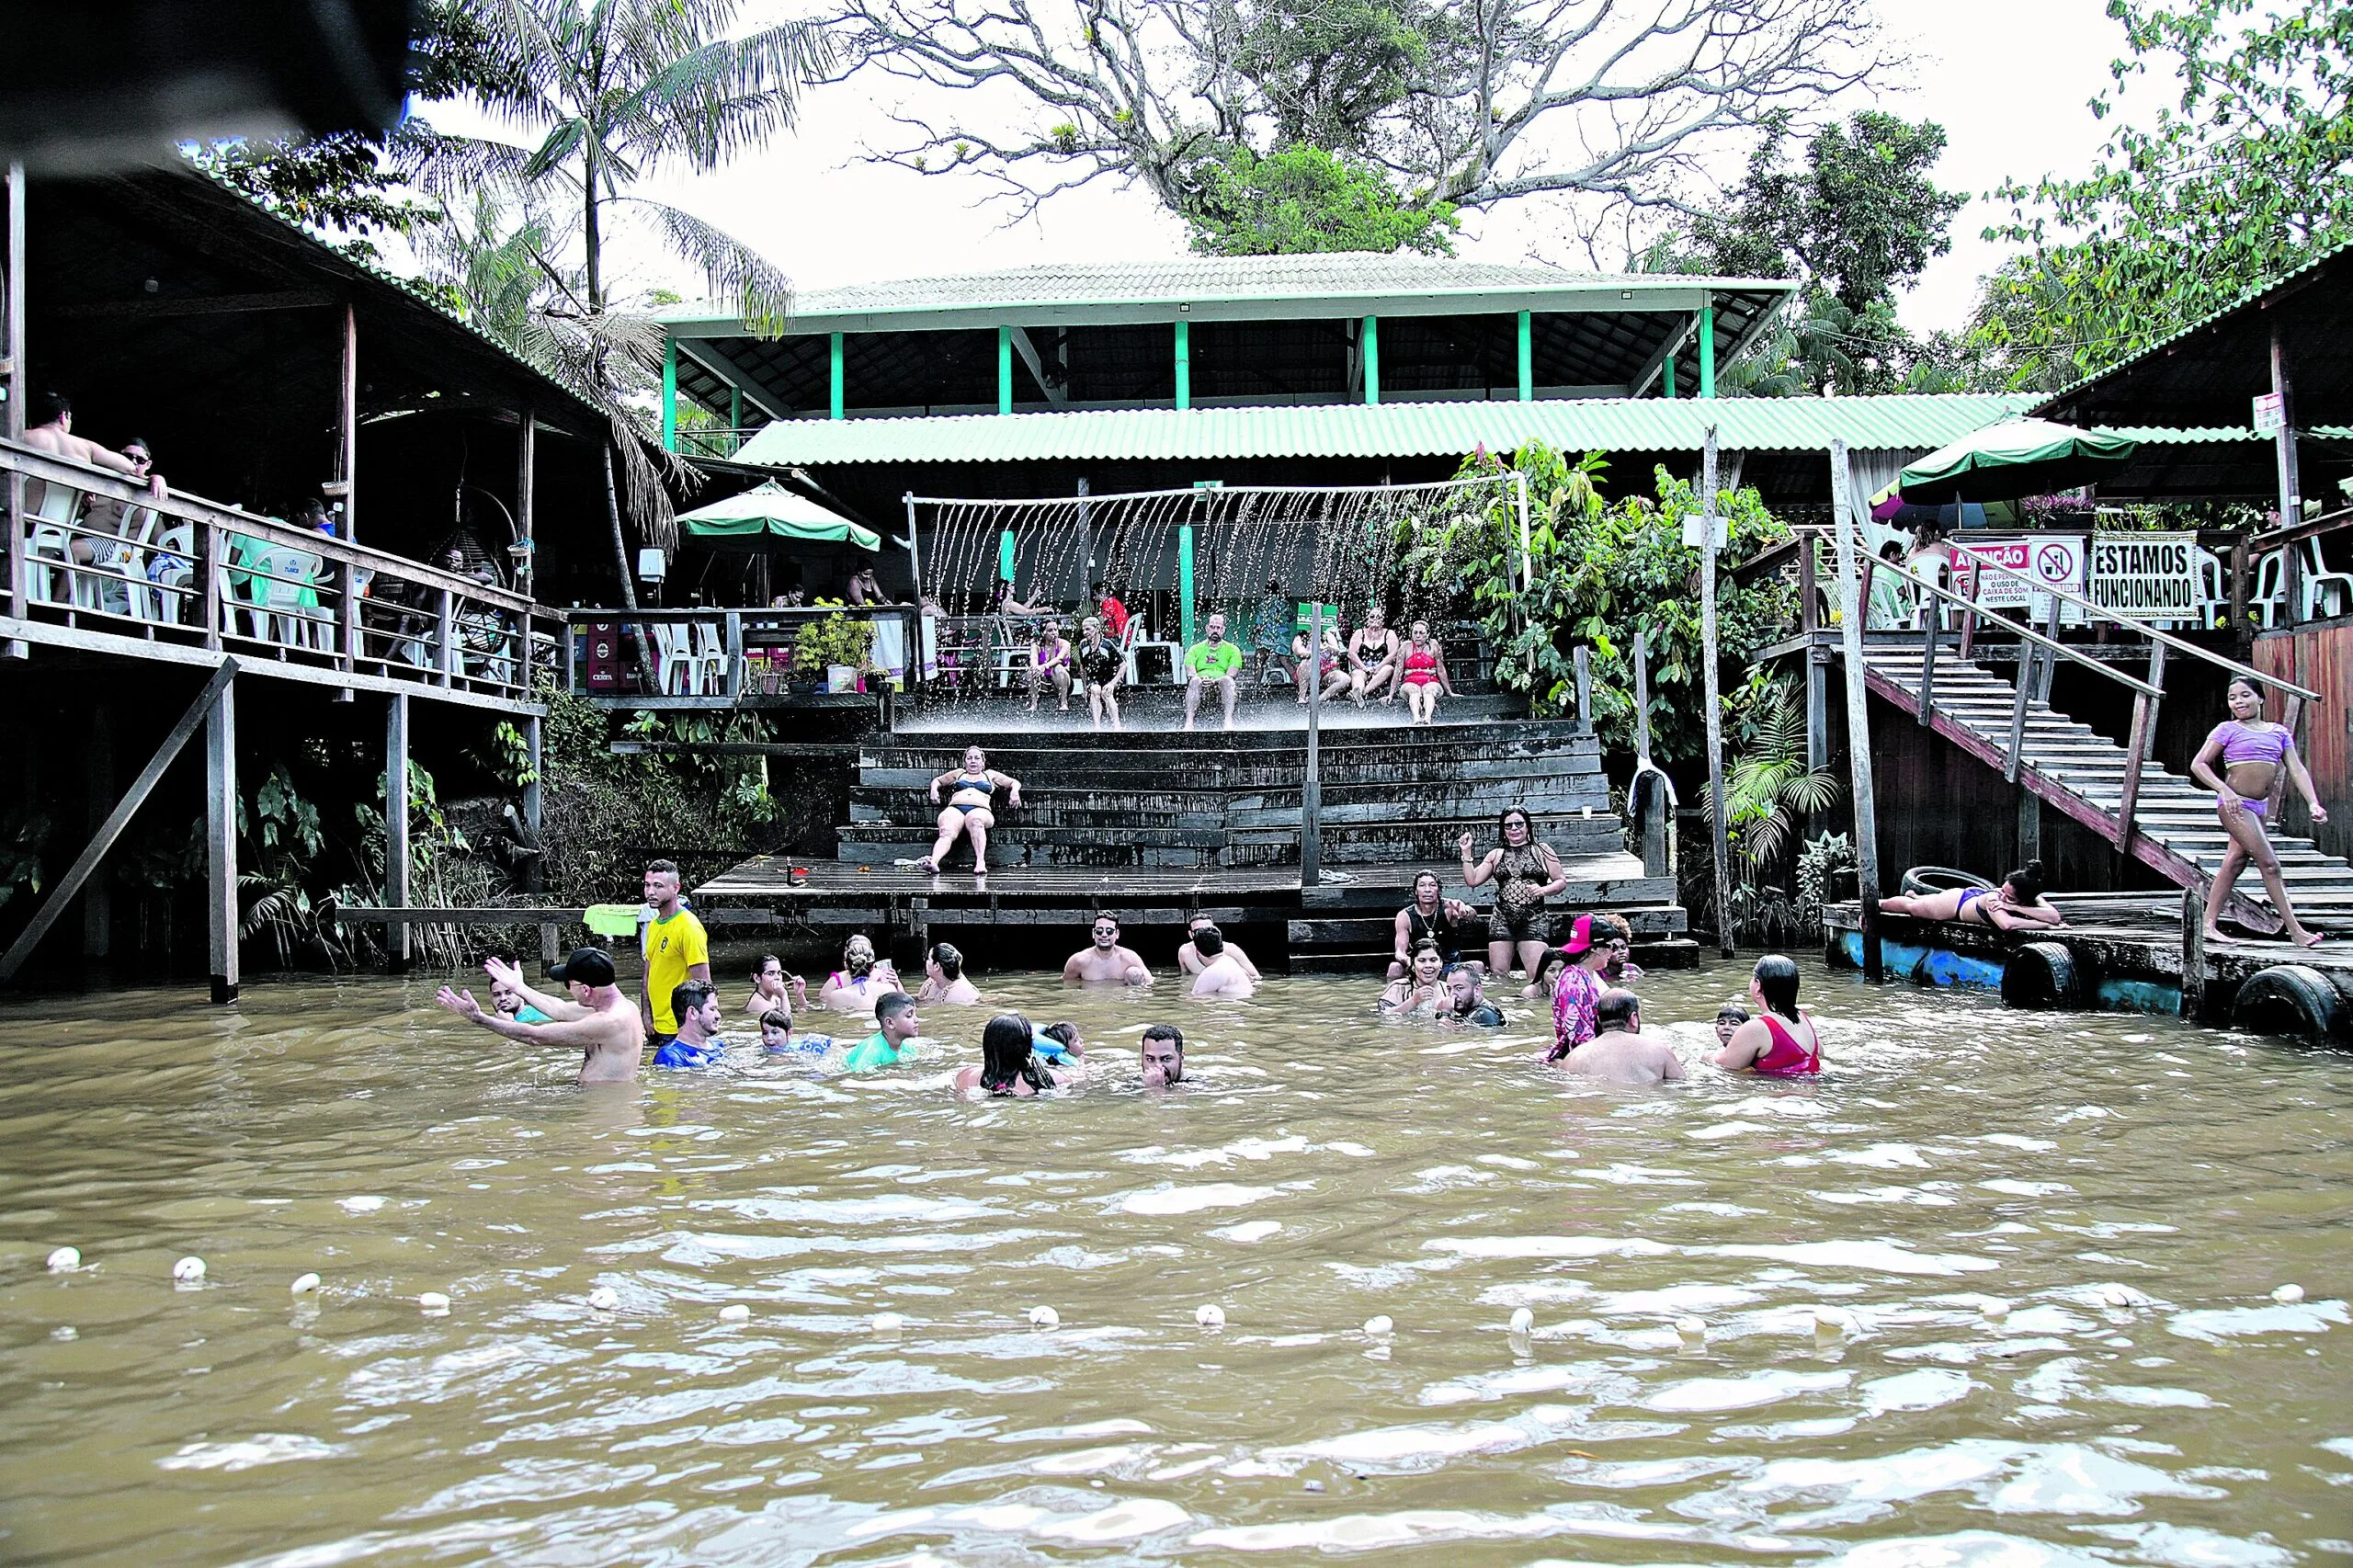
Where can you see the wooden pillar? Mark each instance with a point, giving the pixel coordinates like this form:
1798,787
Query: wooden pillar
535,819
1858,723
350,421
1311,789
1183,364
12,417
396,824
2240,567
2029,827
836,376
220,841
1720,846
98,799
1372,341
1527,357
1817,723
2193,954
527,452
1654,818
2292,506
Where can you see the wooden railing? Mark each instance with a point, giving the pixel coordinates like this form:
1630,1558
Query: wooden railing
722,656
179,569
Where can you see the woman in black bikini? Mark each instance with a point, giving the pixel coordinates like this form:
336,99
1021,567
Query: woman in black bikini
1099,665
1525,873
970,790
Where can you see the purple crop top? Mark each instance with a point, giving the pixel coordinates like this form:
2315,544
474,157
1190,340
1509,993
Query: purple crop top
2246,743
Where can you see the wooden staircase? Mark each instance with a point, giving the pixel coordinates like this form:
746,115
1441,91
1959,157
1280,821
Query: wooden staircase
2172,826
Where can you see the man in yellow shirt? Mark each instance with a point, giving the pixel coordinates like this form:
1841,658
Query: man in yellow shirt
674,950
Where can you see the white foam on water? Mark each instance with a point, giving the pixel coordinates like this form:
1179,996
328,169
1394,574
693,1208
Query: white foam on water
1877,1257
1548,1247
261,1449
1192,1199
1882,1157
1370,1532
1963,1549
1248,1231
365,1204
1926,1389
1770,1387
2218,1324
2020,1141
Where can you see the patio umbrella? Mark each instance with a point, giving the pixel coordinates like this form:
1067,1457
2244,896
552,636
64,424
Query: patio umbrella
2015,458
770,511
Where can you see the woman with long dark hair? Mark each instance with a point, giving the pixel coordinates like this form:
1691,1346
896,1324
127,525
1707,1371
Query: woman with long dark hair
2016,905
1525,872
1779,1041
1008,1067
2252,750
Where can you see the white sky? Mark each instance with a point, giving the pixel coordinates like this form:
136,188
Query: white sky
2008,79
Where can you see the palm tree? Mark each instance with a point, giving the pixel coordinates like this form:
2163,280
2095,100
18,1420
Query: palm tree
601,96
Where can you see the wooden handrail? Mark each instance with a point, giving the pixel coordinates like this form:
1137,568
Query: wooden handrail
2030,635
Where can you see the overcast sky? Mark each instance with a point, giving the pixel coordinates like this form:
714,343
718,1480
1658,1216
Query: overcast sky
2008,79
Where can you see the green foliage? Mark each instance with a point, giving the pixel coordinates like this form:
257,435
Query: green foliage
2244,175
835,639
1304,200
1330,69
1603,572
23,837
1769,789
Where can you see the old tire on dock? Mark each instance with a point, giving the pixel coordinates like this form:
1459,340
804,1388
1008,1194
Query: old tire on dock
2043,975
1939,878
2291,999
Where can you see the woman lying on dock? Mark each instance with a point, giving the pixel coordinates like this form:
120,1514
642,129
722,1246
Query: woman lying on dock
2016,905
2252,750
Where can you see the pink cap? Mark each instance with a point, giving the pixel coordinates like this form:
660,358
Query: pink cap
1580,936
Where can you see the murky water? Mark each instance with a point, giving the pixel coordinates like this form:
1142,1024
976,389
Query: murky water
2134,1187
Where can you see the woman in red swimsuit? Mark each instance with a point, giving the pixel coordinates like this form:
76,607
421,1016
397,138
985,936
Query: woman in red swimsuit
1779,1041
1425,674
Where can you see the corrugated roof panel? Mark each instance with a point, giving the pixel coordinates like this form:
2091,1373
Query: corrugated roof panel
1386,430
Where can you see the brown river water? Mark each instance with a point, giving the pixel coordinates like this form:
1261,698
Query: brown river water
2133,1187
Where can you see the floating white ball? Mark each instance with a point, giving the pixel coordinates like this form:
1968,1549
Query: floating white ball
1994,1308
304,1284
187,1270
1209,1315
1379,1326
1522,1321
2287,1295
889,1323
734,1312
434,1301
604,1298
1693,1331
65,1260
1832,1323
1044,1317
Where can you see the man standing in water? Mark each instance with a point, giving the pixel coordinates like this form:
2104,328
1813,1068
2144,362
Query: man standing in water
1189,960
1163,1056
674,949
1213,662
1106,960
595,1017
1220,976
1621,1052
695,1004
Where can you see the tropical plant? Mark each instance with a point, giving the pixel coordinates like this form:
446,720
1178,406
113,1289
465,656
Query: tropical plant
833,639
1769,789
1303,199
23,836
281,841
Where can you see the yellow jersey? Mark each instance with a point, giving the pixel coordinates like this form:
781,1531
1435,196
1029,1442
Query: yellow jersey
670,947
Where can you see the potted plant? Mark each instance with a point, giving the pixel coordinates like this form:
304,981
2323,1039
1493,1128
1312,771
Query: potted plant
836,646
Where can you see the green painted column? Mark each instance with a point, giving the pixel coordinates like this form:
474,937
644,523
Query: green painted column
1005,369
669,395
1707,351
1183,364
1005,555
1183,590
734,408
1372,341
837,377
1667,377
1527,357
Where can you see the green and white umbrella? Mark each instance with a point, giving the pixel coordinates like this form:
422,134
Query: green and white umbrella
769,511
2015,458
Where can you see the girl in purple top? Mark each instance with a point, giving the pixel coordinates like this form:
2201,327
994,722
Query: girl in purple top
2251,752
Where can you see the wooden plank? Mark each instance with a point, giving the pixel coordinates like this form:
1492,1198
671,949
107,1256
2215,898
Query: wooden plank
1711,656
1852,590
220,841
2136,751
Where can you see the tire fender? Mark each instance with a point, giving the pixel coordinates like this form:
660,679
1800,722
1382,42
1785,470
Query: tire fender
2292,999
2043,975
1937,879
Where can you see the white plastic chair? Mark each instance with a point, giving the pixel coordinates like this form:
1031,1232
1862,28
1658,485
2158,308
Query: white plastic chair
2324,592
679,668
709,646
281,612
171,568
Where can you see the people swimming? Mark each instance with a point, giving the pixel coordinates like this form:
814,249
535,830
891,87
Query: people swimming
1189,957
1728,1016
1780,1041
2252,752
943,978
968,812
1467,998
1525,872
508,999
1421,991
1103,961
1577,995
1619,1051
776,1036
774,986
896,1027
2016,905
672,944
861,981
1163,1055
595,1018
1220,974
696,1044
1009,1065
1447,923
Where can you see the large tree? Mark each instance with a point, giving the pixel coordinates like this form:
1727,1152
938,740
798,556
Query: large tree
1470,105
2244,173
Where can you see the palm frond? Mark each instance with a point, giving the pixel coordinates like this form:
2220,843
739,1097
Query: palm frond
739,276
729,96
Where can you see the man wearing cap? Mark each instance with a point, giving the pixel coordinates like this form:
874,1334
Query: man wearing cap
1578,992
595,1016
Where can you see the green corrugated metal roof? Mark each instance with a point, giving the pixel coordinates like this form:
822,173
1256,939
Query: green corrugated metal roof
1386,430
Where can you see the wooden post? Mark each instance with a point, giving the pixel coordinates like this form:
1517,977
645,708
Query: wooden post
2157,680
213,585
350,421
534,821
2290,712
396,824
1642,697
2193,954
2292,506
2240,567
12,417
1858,723
446,637
1583,658
527,485
1311,788
1808,615
2135,751
732,677
347,589
1720,839
1928,669
221,838
98,758
2029,826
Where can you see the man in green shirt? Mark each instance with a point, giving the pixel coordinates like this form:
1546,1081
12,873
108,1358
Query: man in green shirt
888,1046
1212,662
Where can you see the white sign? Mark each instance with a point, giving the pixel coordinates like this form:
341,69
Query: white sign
2148,576
1695,531
2270,414
2052,561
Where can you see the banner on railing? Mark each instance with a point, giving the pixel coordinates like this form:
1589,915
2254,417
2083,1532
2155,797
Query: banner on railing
2147,576
2052,561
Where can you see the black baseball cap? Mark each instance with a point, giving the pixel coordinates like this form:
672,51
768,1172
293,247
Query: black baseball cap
589,966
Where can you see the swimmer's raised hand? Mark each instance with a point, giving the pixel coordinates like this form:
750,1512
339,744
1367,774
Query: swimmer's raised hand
462,1003
502,972
1464,845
